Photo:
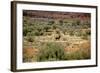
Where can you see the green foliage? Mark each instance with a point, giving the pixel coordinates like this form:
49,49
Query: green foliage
38,33
51,52
30,39
71,33
51,22
25,31
47,27
39,28
78,22
88,32
86,35
61,22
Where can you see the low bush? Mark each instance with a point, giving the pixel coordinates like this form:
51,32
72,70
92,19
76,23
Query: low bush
51,52
30,39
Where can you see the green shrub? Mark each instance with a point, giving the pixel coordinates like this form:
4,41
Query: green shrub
51,22
30,38
25,31
71,33
51,52
61,22
78,22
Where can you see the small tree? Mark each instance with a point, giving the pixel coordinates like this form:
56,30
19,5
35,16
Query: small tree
78,22
51,22
25,31
60,22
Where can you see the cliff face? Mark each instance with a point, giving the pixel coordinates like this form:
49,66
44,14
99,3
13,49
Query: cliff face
56,15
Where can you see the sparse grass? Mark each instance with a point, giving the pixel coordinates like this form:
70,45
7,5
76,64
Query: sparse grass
30,54
78,55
